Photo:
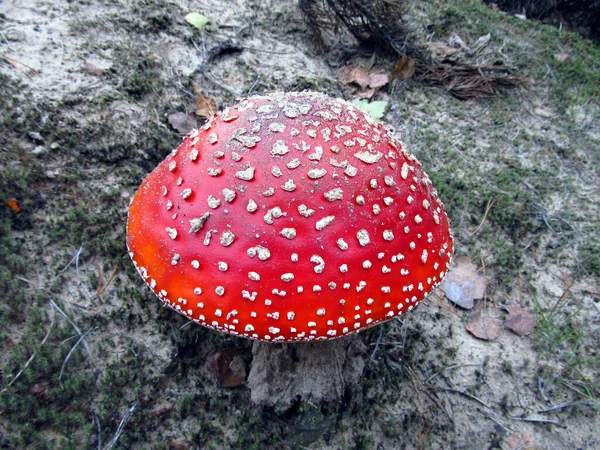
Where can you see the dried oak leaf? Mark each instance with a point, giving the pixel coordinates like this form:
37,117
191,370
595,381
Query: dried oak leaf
484,327
205,106
404,69
519,321
367,82
229,368
463,284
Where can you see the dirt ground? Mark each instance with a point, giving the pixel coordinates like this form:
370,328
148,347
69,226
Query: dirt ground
90,359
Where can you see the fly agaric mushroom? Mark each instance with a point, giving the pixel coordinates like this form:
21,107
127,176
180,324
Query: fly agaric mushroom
289,217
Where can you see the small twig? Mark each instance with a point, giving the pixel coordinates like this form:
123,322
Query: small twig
30,358
62,313
567,405
534,420
493,419
487,210
120,428
74,259
466,394
15,64
69,355
541,388
110,278
378,342
97,420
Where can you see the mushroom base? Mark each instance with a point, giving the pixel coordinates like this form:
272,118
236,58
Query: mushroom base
282,374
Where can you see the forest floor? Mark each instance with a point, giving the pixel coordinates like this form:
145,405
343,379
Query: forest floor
90,359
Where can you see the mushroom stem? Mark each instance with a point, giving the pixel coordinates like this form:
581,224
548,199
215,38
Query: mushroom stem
316,372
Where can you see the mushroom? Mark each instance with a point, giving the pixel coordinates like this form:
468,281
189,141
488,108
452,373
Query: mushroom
289,217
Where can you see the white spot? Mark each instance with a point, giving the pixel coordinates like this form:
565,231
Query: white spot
289,233
249,328
287,277
279,148
424,256
276,127
344,268
334,194
227,238
388,235
325,221
276,171
229,195
363,237
343,245
305,211
368,157
316,173
262,252
293,163
186,193
289,186
320,263
367,264
213,202
172,232
418,219
290,315
195,264
197,223
294,257
218,312
247,295
220,290
172,166
222,266
351,171
252,206
404,171
385,289
321,312
246,175
254,276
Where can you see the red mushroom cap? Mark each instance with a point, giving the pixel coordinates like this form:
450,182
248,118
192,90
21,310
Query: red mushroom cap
289,217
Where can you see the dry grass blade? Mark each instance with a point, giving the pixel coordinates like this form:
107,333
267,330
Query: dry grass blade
469,82
378,22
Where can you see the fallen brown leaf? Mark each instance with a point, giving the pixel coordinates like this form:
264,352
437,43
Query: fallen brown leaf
484,327
181,122
519,321
229,368
463,284
367,82
562,57
519,441
404,69
205,106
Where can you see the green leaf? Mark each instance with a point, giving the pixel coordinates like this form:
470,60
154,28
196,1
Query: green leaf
375,109
197,20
